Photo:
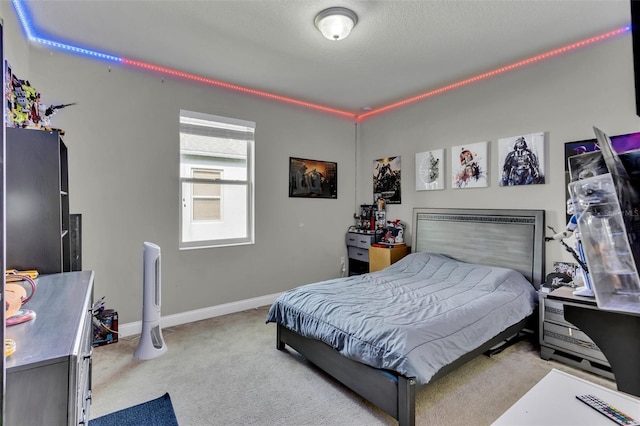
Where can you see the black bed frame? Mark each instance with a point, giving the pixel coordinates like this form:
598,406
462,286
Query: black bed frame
504,238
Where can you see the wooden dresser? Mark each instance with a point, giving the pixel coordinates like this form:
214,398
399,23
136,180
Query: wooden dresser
48,378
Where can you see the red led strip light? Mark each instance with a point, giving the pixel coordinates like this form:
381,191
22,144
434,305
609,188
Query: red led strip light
234,87
494,72
29,32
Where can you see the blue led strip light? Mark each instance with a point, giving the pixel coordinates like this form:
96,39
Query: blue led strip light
23,18
25,21
76,49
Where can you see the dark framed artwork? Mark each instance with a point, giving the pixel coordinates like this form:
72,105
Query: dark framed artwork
312,178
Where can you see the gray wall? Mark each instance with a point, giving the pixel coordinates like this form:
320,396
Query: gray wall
124,156
565,96
123,145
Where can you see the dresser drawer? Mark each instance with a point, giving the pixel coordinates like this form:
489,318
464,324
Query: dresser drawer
572,339
83,385
554,311
359,240
359,253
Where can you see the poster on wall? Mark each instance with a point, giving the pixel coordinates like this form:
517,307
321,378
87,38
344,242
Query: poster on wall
521,160
585,159
386,179
312,178
469,165
430,170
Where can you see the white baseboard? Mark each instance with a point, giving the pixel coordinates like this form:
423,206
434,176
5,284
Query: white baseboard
133,328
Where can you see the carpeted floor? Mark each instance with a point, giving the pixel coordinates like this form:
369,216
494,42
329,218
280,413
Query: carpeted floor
227,371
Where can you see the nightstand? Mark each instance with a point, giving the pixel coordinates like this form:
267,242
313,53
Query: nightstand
381,257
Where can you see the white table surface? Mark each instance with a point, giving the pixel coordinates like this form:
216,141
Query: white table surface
552,401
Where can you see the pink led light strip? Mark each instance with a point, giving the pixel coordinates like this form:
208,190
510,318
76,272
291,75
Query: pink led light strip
234,87
497,71
30,33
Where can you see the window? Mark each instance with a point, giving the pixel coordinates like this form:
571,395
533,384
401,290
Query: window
206,197
216,181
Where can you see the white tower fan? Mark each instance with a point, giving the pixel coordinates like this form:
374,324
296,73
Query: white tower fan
151,342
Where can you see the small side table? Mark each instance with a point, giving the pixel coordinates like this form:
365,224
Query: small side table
381,257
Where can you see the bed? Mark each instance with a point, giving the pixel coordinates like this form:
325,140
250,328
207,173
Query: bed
467,287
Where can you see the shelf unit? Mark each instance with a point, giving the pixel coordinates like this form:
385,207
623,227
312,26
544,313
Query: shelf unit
37,212
358,249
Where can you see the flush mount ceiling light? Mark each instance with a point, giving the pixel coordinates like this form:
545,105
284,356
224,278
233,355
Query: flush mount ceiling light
336,23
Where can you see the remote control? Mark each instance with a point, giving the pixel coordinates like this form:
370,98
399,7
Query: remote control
608,410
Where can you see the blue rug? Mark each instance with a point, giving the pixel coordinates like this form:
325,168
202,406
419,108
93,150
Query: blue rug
158,412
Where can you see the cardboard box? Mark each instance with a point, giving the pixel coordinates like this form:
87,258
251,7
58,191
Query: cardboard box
105,327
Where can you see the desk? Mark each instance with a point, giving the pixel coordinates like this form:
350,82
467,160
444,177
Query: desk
564,341
552,401
615,333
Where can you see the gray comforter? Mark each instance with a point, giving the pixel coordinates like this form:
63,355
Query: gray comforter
414,317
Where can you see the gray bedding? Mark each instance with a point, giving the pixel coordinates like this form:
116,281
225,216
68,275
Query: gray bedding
414,317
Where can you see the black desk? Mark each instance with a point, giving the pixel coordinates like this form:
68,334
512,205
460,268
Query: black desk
616,334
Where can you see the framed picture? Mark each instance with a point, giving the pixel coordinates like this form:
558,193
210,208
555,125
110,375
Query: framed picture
430,170
469,165
568,268
312,178
521,160
386,179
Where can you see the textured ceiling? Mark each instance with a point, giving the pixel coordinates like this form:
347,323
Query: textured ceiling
397,50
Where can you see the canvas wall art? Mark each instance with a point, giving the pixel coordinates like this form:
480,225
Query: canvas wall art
521,160
386,179
469,165
430,170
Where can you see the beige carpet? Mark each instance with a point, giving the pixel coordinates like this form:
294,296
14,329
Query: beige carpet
227,371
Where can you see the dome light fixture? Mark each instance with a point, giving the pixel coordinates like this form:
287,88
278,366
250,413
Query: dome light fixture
336,23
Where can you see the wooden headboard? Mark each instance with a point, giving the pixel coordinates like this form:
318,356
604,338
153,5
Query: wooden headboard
505,238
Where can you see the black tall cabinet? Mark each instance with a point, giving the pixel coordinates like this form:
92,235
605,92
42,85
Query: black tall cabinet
37,210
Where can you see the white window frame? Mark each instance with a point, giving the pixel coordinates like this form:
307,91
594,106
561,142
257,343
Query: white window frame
249,183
